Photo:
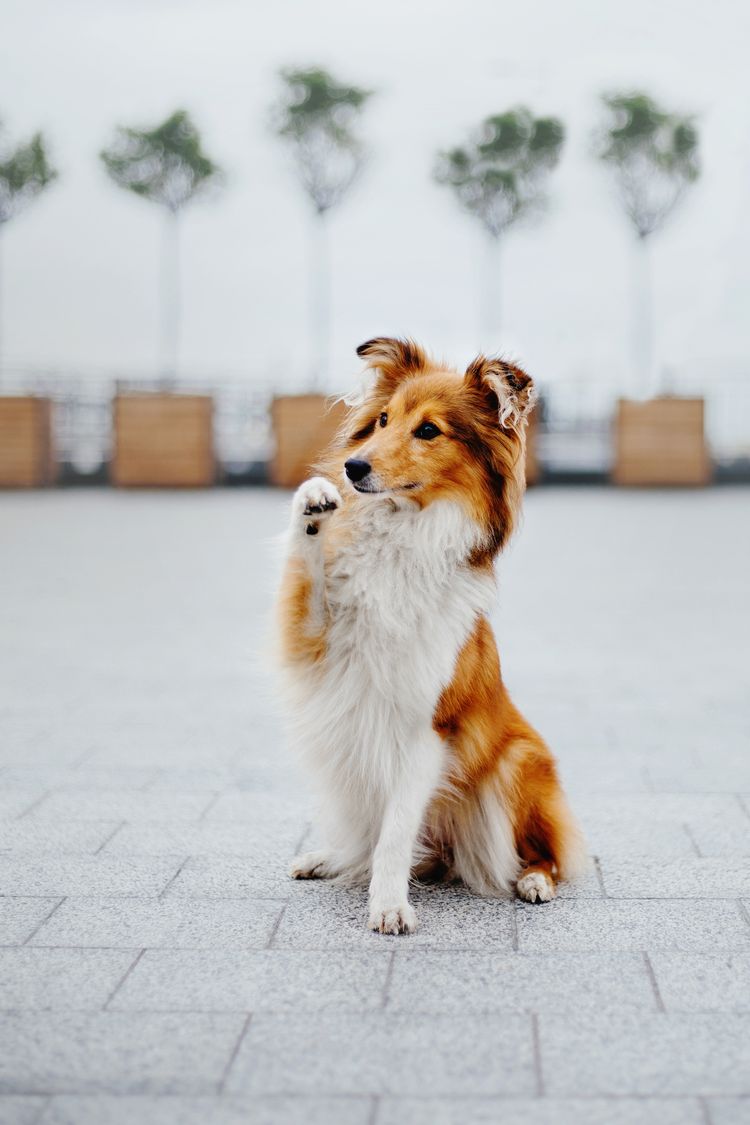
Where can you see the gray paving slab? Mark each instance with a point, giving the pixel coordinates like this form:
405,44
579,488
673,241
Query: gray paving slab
659,1054
593,925
19,1110
29,835
540,1111
429,981
707,982
693,877
384,1053
67,1110
264,874
15,801
207,839
118,805
270,980
86,875
20,916
51,779
729,1111
138,923
60,979
115,1052
323,916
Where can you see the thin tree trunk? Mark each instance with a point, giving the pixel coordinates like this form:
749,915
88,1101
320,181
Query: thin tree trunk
490,297
643,333
320,303
169,348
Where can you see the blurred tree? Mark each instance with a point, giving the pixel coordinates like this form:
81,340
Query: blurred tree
317,116
500,177
654,157
168,166
24,173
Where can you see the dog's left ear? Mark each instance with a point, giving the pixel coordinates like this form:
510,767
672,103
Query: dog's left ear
511,390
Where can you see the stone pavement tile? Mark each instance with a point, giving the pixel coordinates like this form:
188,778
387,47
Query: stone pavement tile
656,824
29,835
19,917
609,838
259,808
691,877
207,839
428,981
119,805
137,923
86,875
645,1054
263,875
729,1111
708,982
14,802
713,777
268,980
539,1111
115,1052
325,916
68,979
156,754
209,1111
609,924
384,1053
80,777
19,1110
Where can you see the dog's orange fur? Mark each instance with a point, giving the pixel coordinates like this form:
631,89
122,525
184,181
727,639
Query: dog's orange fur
479,462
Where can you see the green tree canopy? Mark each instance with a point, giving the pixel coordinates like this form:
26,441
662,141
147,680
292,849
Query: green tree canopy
317,115
653,153
499,176
24,172
166,164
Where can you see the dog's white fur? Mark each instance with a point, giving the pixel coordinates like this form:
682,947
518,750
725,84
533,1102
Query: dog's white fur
400,601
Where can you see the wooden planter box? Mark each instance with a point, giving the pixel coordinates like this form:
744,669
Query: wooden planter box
303,427
163,441
661,442
26,451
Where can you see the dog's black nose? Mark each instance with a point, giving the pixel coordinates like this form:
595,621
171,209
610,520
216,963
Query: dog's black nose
356,469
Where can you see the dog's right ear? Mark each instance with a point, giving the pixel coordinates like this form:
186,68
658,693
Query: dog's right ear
392,360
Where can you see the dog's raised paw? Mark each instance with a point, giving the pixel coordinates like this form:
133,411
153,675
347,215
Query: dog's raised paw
535,887
311,865
314,501
393,920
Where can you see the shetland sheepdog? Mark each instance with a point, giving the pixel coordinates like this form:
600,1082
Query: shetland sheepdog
426,767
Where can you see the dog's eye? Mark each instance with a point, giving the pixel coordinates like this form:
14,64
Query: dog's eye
383,418
427,431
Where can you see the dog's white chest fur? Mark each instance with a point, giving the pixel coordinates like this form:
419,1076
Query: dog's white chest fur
402,602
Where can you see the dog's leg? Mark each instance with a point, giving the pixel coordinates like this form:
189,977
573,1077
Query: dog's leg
302,601
315,865
390,909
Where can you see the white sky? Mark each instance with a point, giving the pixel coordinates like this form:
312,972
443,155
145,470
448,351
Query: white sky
80,266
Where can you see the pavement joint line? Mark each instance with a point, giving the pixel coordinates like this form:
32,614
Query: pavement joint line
654,983
121,982
743,804
111,836
537,1055
275,929
172,881
209,806
235,1051
34,804
704,1108
374,1109
44,920
691,838
388,978
600,876
744,912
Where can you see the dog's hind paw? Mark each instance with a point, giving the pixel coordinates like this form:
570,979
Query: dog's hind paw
312,865
535,886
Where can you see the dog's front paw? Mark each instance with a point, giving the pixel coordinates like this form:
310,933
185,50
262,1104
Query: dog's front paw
535,886
314,502
393,919
312,865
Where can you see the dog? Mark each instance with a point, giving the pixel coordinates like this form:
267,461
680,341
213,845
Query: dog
427,769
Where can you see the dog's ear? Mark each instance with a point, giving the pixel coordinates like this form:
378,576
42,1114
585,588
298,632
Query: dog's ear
510,390
392,360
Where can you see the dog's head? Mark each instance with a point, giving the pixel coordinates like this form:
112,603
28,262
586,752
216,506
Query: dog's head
422,432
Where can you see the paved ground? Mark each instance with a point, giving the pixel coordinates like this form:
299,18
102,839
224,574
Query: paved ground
158,967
